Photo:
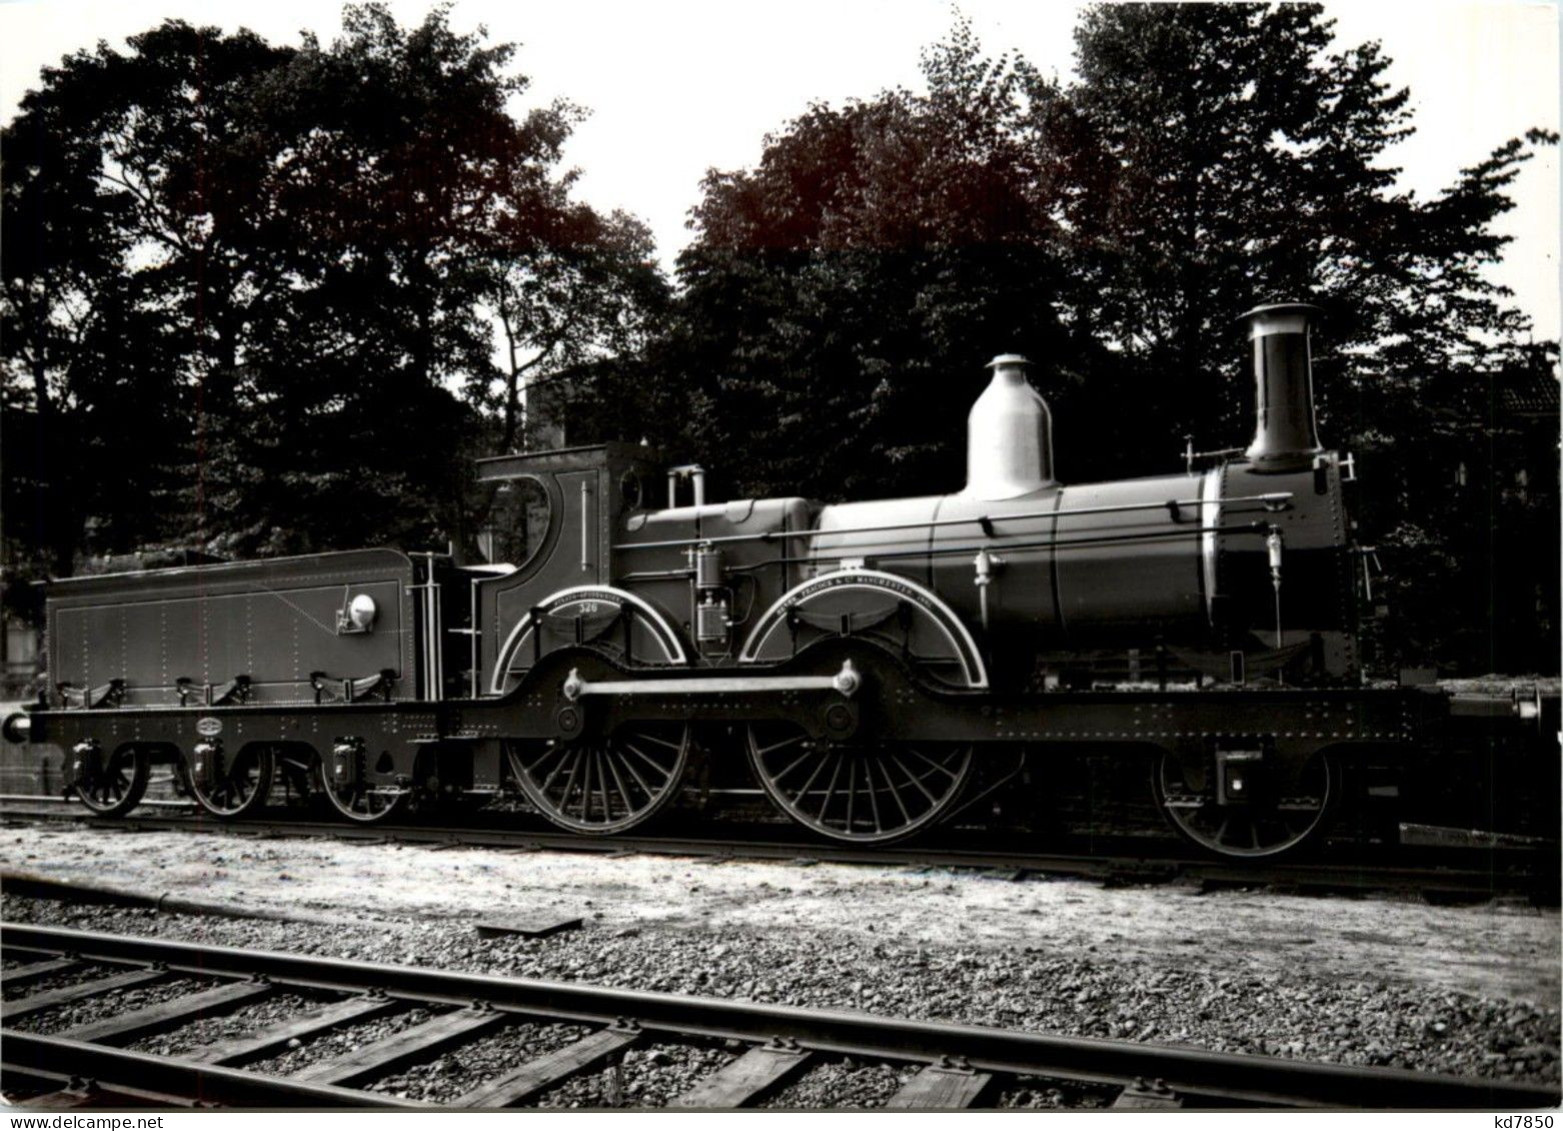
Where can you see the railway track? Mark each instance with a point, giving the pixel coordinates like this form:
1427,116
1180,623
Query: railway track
761,1048
1454,875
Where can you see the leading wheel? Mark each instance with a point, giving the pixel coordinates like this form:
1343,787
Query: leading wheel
859,792
116,786
233,786
1291,814
600,786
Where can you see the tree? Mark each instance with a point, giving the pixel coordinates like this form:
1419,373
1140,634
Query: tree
847,290
1235,159
247,286
590,290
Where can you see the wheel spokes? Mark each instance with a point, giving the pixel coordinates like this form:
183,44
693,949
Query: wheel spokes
849,791
240,784
1259,826
609,784
894,792
117,787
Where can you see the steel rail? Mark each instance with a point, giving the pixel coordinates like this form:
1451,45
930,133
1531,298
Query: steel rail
1143,862
1223,1078
118,1070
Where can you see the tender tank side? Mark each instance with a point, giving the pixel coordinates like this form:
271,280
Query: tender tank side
276,623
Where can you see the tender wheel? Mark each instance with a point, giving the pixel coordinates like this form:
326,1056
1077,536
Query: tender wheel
357,799
366,803
236,785
1289,814
117,786
601,786
861,792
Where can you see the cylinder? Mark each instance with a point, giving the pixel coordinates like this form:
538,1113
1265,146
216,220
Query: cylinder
1285,436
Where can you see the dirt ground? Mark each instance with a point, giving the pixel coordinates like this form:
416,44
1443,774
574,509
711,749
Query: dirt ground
1495,950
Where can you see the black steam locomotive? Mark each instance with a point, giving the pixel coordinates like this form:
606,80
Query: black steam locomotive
881,660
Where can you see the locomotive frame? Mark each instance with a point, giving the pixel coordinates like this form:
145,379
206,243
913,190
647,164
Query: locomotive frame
883,659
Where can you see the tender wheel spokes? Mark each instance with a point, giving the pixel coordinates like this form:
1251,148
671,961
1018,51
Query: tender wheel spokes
1281,819
118,785
236,785
366,802
862,793
361,800
600,786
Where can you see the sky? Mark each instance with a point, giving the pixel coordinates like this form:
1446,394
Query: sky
676,87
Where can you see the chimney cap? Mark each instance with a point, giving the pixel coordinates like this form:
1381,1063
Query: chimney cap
1007,359
1279,318
1273,308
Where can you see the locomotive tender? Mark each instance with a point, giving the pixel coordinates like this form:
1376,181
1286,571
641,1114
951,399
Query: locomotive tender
884,661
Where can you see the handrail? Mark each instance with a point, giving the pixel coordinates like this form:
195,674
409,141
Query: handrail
1272,501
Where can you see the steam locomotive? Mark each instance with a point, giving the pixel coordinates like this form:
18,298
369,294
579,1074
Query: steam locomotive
883,662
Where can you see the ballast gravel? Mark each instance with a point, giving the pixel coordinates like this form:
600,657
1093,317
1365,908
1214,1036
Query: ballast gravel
1358,1021
472,1065
247,1020
1376,981
57,981
844,1083
70,1014
340,1042
647,1077
1034,1092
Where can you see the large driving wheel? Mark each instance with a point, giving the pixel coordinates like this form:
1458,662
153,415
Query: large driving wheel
601,786
232,785
115,786
1287,814
861,792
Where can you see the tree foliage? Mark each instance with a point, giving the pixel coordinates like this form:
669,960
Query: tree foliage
1234,159
249,289
845,293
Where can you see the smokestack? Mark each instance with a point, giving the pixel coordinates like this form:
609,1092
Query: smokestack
1009,435
1285,438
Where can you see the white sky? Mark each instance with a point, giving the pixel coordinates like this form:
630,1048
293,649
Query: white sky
678,86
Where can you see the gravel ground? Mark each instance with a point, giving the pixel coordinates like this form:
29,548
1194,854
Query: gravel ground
843,1084
70,1014
1360,1021
245,1021
477,1062
1506,952
59,981
1039,1092
339,1041
1468,990
648,1077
